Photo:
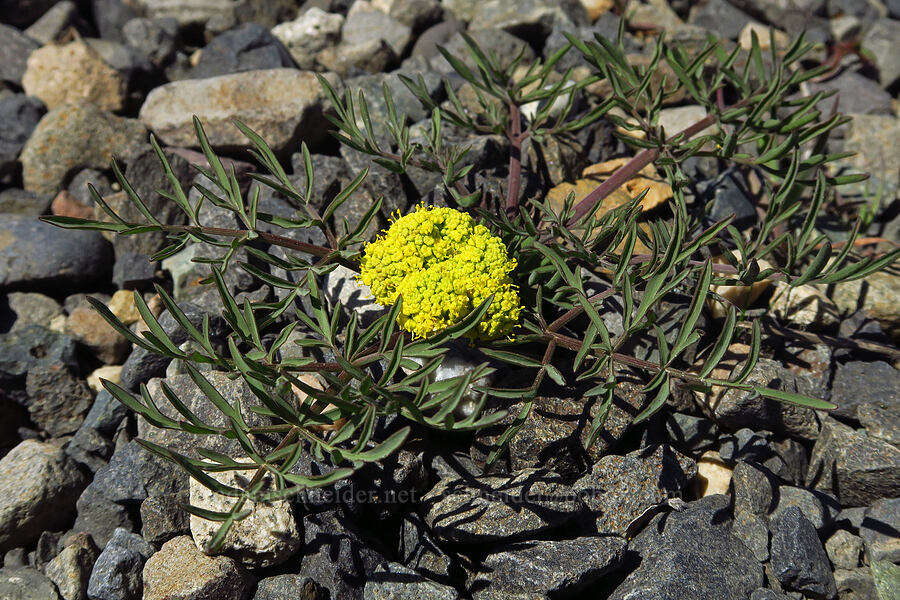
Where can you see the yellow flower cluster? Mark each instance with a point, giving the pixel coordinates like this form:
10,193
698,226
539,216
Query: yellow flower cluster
444,265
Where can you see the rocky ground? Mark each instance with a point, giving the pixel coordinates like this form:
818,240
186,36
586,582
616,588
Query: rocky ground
778,502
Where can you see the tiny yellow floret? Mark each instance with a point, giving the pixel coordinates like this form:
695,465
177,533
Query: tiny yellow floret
444,265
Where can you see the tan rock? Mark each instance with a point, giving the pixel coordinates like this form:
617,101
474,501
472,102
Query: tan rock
122,305
713,475
88,327
764,35
111,373
71,73
67,205
180,571
595,8
878,295
805,306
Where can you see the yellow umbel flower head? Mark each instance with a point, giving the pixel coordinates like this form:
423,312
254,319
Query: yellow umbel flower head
444,265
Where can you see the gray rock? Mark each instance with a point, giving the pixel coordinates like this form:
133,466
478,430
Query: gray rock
753,489
52,23
286,108
111,15
366,26
858,94
719,16
620,488
25,583
57,400
729,198
810,505
779,11
767,594
519,18
874,139
46,484
754,532
15,48
353,59
21,202
180,570
29,308
879,40
336,555
19,115
156,39
493,508
185,388
133,271
392,581
106,413
503,45
857,468
844,549
881,530
694,552
371,86
72,137
550,567
739,408
881,420
117,572
248,47
25,12
100,517
134,473
860,382
355,297
32,346
290,587
887,578
37,255
438,34
689,433
71,569
798,558
308,34
148,178
419,551
162,518
90,448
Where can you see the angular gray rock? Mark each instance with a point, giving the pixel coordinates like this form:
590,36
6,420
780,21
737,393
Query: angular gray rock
550,567
881,530
620,488
247,47
798,557
693,552
879,40
117,572
365,26
19,115
290,587
25,583
859,382
493,508
15,48
859,469
35,255
393,581
752,489
284,106
46,484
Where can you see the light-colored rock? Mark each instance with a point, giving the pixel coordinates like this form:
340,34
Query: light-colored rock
71,568
53,22
876,141
805,305
309,33
41,485
73,137
763,35
595,8
876,295
73,72
122,305
111,373
87,326
284,106
190,12
31,307
181,572
366,24
713,475
269,536
679,118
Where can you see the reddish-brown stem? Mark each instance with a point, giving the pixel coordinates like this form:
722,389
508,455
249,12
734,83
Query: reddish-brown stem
514,135
277,240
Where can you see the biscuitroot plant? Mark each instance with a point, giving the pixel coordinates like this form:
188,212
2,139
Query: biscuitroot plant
528,282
